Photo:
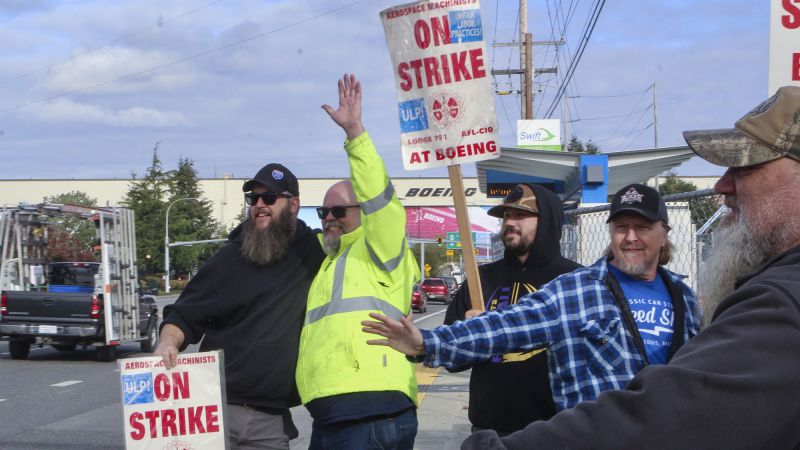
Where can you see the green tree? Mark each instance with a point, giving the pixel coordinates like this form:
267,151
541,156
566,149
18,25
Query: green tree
146,198
575,145
434,255
701,208
72,238
190,220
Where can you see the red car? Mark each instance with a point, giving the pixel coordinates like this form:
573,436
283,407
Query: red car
419,300
437,289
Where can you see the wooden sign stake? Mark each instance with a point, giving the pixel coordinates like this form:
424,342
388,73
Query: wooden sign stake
465,233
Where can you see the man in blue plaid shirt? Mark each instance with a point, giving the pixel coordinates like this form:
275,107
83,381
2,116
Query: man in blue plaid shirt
601,324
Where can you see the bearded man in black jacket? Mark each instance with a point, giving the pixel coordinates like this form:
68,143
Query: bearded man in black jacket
249,300
512,390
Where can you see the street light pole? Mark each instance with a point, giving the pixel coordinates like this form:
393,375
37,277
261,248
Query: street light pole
166,242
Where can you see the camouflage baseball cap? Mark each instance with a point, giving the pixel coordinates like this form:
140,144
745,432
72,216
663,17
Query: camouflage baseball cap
770,131
521,197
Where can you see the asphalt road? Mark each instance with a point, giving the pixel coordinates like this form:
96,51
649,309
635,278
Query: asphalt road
69,400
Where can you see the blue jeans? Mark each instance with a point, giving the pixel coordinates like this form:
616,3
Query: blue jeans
386,433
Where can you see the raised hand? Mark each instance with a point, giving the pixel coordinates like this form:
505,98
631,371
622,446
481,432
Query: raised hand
400,335
348,115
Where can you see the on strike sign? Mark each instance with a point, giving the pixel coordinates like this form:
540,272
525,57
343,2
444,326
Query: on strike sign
445,98
175,409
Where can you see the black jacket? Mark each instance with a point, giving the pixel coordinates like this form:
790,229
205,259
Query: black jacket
513,390
733,386
254,313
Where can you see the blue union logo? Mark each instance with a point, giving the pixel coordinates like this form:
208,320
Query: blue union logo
137,388
413,116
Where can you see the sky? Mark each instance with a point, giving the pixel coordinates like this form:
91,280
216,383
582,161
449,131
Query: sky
88,88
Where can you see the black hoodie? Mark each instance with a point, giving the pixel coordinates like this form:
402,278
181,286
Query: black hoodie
254,313
510,391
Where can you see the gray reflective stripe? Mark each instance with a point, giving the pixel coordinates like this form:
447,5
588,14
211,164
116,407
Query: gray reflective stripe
338,276
391,264
342,305
345,305
379,201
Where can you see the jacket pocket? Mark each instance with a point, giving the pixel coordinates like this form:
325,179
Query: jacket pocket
603,345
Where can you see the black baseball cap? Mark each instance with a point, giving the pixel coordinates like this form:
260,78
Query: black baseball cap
640,199
276,178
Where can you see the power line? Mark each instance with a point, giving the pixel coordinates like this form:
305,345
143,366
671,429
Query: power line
578,54
626,134
178,61
581,119
159,24
630,94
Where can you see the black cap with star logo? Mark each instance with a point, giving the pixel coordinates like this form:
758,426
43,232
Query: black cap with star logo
639,199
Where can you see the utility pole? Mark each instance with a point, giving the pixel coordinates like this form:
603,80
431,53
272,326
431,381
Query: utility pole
565,122
525,60
526,71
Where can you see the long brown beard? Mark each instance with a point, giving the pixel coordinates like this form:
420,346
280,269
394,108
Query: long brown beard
270,244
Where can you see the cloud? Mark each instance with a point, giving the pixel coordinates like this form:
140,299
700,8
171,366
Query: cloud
68,111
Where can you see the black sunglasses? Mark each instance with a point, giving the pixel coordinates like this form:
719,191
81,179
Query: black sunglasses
269,198
337,211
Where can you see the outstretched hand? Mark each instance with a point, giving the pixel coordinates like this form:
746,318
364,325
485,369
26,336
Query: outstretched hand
348,115
400,335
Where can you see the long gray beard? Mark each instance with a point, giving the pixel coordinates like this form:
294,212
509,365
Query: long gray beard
330,243
270,244
736,252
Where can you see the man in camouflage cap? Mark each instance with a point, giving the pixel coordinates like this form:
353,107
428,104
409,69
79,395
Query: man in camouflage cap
733,385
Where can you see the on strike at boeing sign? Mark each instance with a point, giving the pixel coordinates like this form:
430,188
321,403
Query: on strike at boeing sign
784,44
445,98
180,408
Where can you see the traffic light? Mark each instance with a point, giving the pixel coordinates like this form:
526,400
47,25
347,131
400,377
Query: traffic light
439,241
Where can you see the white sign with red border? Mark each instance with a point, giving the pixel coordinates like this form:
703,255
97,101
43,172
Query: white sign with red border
444,94
784,44
180,408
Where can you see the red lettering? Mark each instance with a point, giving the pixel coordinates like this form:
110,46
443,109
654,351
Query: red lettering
181,422
478,148
425,154
441,30
180,383
195,424
459,65
445,68
422,34
491,147
439,154
152,416
792,20
432,77
401,71
212,419
796,66
415,158
168,423
476,60
138,428
162,387
416,65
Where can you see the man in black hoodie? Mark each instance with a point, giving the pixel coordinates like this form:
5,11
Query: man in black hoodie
512,390
249,300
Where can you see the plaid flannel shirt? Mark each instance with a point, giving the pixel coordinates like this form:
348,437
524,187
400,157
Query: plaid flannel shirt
590,350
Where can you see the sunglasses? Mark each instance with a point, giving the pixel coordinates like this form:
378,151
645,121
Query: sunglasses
269,198
337,211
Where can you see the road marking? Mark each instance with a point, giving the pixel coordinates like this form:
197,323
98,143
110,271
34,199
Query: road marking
429,315
66,383
425,378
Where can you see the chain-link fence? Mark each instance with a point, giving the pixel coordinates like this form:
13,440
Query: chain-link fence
585,235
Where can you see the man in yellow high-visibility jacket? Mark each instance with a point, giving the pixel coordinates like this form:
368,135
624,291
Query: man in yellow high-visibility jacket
360,396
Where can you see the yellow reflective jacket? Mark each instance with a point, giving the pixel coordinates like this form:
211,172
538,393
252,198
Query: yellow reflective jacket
374,270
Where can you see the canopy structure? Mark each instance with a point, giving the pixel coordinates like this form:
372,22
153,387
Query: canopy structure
569,174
